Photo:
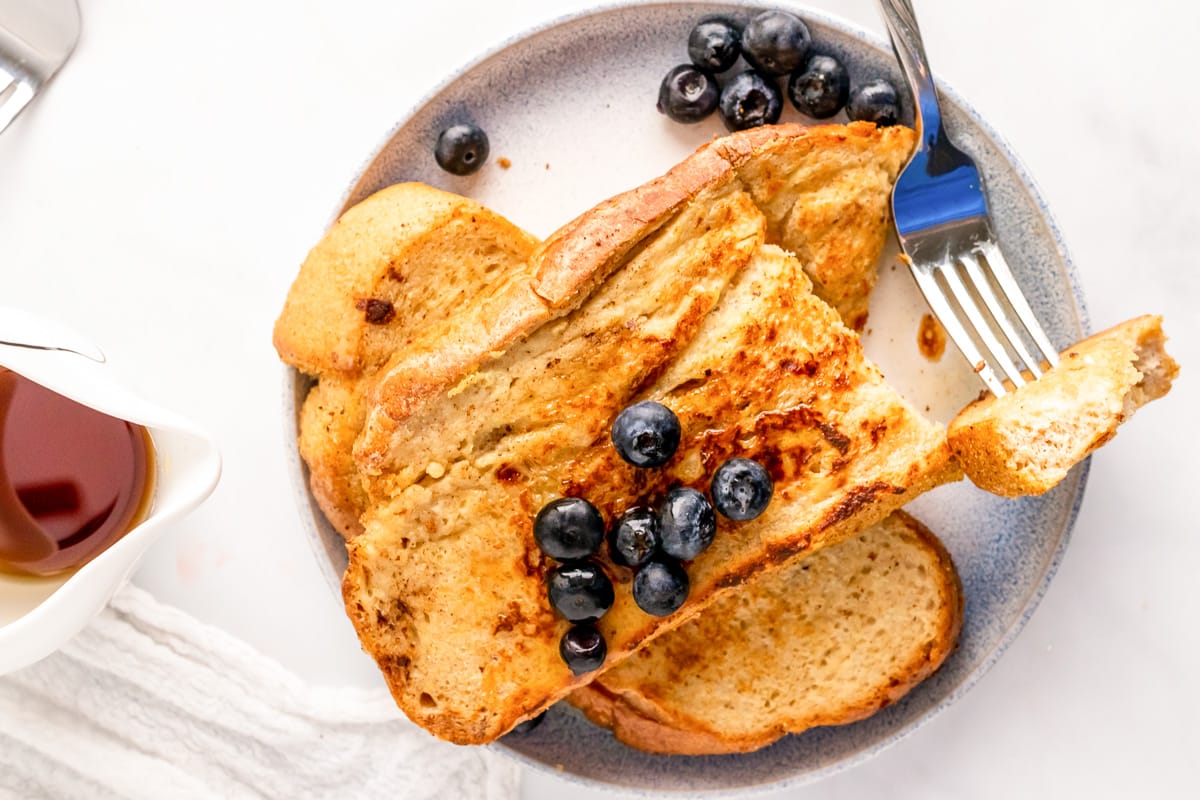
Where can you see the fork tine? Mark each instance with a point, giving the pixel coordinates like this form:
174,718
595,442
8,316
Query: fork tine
17,100
6,80
966,301
941,218
998,267
948,317
978,278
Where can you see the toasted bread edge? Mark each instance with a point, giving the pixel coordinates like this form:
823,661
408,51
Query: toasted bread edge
1025,442
645,724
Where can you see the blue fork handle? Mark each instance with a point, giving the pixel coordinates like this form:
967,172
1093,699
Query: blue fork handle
941,184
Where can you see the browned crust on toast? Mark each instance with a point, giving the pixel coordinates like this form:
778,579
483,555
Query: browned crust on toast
331,417
836,241
715,684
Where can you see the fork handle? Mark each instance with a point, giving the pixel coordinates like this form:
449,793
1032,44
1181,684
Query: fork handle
906,39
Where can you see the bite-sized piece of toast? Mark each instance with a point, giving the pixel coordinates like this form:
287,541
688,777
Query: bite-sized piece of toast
405,258
669,292
825,640
1025,442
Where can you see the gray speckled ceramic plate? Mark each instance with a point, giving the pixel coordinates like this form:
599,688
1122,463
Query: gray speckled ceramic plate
571,107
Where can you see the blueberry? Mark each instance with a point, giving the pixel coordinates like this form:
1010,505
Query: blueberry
529,724
686,523
646,434
568,528
634,539
583,648
749,100
741,489
714,44
580,591
876,101
775,42
821,89
660,587
461,149
687,94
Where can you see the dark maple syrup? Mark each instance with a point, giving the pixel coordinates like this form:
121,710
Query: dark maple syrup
72,479
931,338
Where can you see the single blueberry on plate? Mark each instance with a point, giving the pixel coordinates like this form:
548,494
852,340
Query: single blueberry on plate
646,434
686,523
749,100
580,591
688,94
876,101
821,89
741,489
714,44
583,648
660,587
568,528
634,539
461,149
775,42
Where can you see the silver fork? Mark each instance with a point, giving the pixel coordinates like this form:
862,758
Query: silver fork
941,217
36,38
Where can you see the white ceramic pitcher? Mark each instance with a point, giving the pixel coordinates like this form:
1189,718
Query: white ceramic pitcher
39,614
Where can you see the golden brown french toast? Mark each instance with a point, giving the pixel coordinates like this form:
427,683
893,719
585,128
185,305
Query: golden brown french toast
672,292
833,212
1025,442
825,640
403,256
406,257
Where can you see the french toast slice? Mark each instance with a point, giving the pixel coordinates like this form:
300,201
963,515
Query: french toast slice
671,292
1025,442
826,640
407,255
405,258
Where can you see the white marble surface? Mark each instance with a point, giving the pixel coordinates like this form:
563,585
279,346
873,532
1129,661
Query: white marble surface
162,192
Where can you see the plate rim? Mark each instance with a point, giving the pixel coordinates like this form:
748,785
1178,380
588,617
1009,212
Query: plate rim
299,473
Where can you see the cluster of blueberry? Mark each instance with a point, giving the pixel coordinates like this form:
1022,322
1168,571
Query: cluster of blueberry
774,44
651,541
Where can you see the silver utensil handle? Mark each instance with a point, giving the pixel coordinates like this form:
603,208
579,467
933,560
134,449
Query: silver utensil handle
906,39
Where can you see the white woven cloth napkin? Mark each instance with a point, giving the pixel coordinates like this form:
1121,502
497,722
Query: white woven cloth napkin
148,702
